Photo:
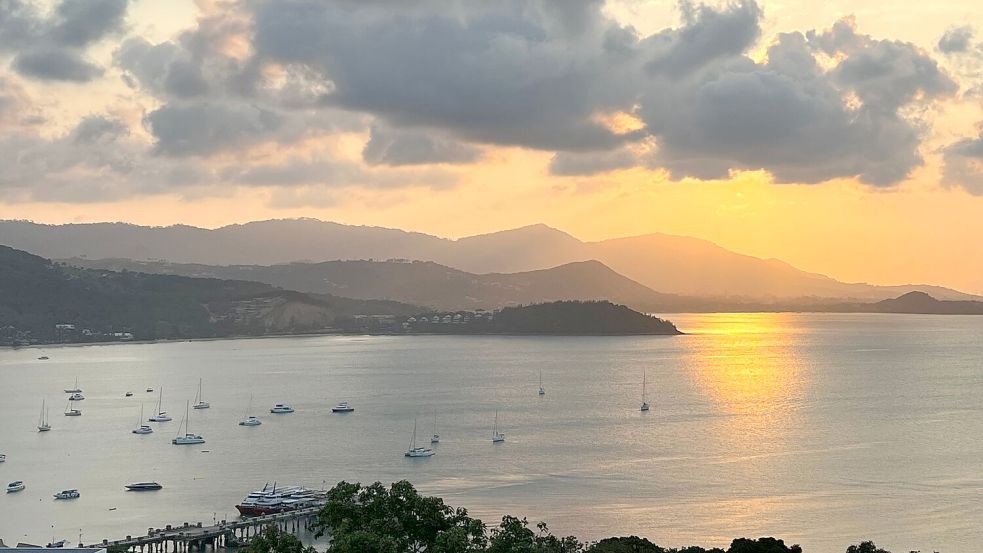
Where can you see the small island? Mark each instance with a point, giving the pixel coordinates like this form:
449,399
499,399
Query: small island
559,318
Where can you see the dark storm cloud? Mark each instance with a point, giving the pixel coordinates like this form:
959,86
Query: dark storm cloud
568,164
202,129
395,147
52,47
956,40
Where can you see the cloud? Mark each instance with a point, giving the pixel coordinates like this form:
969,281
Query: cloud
568,164
51,47
956,40
201,129
396,147
963,165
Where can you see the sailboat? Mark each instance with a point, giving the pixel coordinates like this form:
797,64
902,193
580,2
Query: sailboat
497,437
188,438
71,411
435,439
142,428
645,403
76,389
200,402
542,391
415,450
43,425
250,420
161,415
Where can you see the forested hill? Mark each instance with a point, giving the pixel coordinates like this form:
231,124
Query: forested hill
42,302
562,318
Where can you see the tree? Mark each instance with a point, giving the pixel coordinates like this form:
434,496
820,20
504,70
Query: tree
376,519
865,547
762,545
513,535
274,540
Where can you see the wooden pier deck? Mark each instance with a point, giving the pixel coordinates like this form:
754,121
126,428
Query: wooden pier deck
196,537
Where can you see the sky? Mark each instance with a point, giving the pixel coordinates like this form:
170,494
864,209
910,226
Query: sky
842,137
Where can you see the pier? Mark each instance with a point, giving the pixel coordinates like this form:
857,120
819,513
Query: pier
196,537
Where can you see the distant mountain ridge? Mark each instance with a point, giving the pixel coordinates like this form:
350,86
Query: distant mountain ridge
664,263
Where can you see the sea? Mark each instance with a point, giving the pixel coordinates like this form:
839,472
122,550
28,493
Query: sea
820,429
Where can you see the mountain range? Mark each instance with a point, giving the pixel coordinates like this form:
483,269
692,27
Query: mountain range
665,264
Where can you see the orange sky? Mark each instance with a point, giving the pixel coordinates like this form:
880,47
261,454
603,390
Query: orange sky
918,230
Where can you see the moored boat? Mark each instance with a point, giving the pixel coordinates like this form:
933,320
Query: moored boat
281,408
143,486
343,407
15,486
68,494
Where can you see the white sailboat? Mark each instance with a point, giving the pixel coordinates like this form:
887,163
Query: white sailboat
200,402
142,428
76,389
250,420
71,411
435,439
161,415
417,451
542,391
645,403
497,437
43,425
188,438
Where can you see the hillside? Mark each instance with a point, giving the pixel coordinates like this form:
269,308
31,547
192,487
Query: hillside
422,283
562,318
36,295
918,303
664,263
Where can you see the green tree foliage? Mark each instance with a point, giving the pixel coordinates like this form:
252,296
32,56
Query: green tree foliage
513,535
865,547
274,540
763,545
635,544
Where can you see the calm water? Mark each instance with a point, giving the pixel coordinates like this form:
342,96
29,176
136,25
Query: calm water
821,429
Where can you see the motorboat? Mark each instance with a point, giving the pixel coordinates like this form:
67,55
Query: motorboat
415,450
142,428
150,390
281,408
250,421
76,389
200,402
43,425
76,397
128,394
15,486
161,415
3,458
43,358
56,544
71,411
542,391
497,437
188,438
68,494
143,486
343,407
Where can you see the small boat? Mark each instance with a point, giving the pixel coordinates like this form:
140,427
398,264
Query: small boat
15,486
76,389
76,397
57,544
343,407
435,438
143,486
71,411
43,425
2,457
542,391
188,438
68,494
150,390
142,428
128,394
250,420
161,415
497,437
43,358
281,408
200,402
415,450
645,403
